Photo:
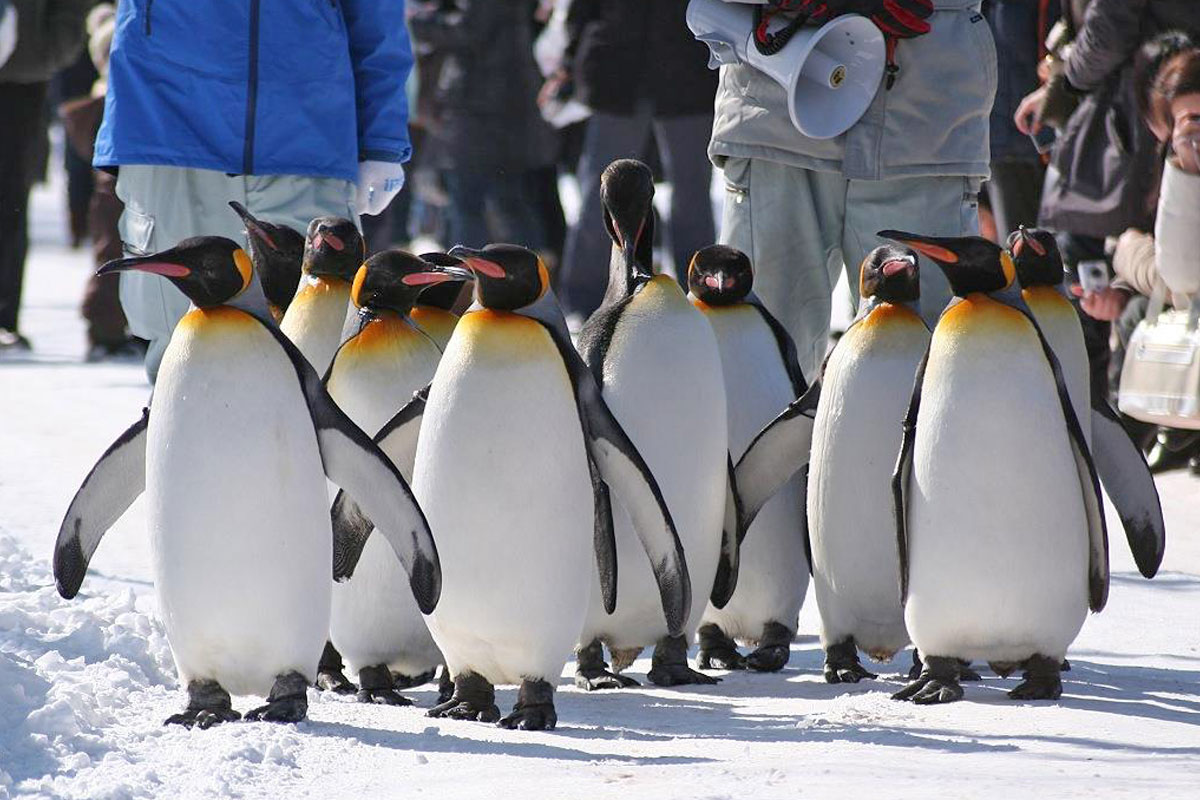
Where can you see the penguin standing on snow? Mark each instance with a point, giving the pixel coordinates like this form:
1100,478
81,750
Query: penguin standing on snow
758,361
657,361
434,311
851,416
233,459
1000,527
314,321
375,625
514,464
1122,468
276,252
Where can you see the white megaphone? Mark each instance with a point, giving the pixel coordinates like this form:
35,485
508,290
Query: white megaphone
830,73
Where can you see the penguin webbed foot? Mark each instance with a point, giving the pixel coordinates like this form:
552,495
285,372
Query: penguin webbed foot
534,710
473,699
382,697
937,683
1040,681
592,673
330,675
965,673
445,686
379,687
402,682
718,651
842,664
288,701
774,649
208,705
669,667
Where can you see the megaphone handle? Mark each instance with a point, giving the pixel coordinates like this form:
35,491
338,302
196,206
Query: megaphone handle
771,43
892,69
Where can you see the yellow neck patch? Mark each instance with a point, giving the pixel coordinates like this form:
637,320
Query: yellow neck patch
244,266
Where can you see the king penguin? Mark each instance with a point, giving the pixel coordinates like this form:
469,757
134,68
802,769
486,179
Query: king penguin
375,625
233,457
999,521
658,363
514,463
435,310
758,361
851,416
1123,470
315,320
276,252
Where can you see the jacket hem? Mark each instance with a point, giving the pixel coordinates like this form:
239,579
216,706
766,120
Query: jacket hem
718,151
109,161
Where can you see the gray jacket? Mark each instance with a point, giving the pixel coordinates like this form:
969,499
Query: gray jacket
934,120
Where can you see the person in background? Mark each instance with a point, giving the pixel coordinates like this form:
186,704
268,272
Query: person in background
637,66
49,35
489,134
805,210
309,118
1015,186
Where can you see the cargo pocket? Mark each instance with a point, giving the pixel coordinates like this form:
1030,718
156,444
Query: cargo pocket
736,217
137,231
969,224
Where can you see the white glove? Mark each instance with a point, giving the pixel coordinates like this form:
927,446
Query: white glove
8,31
378,183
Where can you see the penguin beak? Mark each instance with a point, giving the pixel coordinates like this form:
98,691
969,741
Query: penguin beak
628,236
1024,240
477,263
438,275
252,225
895,266
321,238
152,264
926,245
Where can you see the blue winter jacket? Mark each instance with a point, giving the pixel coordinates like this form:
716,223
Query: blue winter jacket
263,87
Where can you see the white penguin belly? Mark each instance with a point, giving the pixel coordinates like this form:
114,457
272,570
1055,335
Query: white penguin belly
856,437
316,317
773,573
998,542
374,618
662,380
1060,325
501,473
236,506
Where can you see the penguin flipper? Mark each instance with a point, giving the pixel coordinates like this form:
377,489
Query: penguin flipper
605,537
733,531
1130,487
355,463
623,469
778,451
787,347
903,473
351,527
109,489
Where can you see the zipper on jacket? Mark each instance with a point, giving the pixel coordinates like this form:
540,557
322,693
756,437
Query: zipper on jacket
251,91
149,6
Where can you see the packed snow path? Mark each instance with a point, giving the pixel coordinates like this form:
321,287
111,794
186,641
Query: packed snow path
85,685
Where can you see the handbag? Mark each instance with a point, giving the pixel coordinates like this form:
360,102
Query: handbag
1160,382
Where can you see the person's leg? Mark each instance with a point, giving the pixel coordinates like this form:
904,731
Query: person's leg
466,220
20,132
933,206
512,206
683,146
164,205
584,275
101,300
296,200
1015,191
786,220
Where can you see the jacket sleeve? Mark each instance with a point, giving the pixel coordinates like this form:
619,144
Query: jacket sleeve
1177,230
467,25
579,14
381,56
1111,31
1133,262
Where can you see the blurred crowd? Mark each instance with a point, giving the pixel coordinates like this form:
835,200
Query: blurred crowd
1094,132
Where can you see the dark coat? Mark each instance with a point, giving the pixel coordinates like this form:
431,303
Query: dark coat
623,51
50,35
1016,27
484,112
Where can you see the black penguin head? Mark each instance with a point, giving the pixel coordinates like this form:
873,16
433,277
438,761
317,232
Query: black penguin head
443,295
276,251
720,275
971,263
334,248
392,280
507,276
1036,257
890,273
210,270
627,192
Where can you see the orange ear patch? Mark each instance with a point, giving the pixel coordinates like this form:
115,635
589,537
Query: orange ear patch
543,276
244,266
360,278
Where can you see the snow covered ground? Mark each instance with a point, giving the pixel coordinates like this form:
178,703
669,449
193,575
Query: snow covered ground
85,685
